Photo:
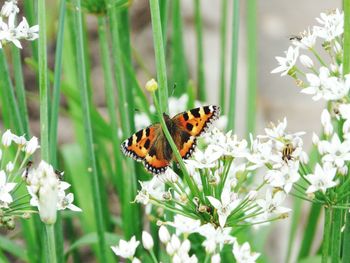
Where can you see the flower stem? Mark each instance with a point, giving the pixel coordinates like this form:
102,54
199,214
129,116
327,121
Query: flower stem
223,40
153,256
159,55
326,234
50,244
234,64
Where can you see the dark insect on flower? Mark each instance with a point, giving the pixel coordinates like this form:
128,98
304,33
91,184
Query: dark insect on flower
27,169
151,147
295,37
287,152
59,174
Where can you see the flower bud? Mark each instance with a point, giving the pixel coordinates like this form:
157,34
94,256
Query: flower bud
151,85
164,235
20,140
252,195
7,138
326,122
135,260
315,139
304,158
306,61
147,240
343,170
9,167
32,145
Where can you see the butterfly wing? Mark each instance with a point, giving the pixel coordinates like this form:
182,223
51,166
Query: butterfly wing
191,124
146,146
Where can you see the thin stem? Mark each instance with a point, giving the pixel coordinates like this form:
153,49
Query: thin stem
88,130
51,248
234,64
153,256
251,71
223,40
43,84
326,234
200,60
159,55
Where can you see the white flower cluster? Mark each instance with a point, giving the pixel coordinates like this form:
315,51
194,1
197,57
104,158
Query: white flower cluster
222,195
325,81
177,246
10,31
47,191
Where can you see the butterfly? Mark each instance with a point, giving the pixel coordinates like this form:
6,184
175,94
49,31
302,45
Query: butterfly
151,147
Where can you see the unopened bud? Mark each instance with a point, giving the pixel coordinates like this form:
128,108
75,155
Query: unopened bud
306,61
147,240
164,235
151,85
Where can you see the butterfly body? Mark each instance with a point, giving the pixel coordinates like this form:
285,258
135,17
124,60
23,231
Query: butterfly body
151,147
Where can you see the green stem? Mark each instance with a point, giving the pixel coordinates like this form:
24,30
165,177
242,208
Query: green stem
234,64
20,90
223,40
200,60
159,55
80,52
110,99
251,72
336,234
153,256
326,234
43,84
51,248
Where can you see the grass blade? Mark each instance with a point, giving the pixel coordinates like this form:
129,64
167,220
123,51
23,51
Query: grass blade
223,55
80,52
234,64
200,60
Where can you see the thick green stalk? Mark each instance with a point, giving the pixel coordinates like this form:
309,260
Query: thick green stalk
88,130
31,16
234,64
178,58
131,213
326,234
251,72
310,231
223,40
200,60
50,254
8,97
346,70
336,234
20,90
163,7
110,99
159,54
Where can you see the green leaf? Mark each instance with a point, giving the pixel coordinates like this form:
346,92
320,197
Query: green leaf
92,238
313,259
13,248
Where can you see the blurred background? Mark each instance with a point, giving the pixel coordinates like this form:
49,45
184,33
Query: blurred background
276,97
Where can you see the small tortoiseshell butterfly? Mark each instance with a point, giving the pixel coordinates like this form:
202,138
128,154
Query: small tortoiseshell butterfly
151,147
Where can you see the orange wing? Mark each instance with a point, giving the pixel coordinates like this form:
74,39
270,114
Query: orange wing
146,146
197,120
191,124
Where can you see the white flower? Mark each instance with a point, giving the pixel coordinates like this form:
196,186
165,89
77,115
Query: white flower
126,249
32,145
173,245
9,7
224,206
321,179
271,203
9,167
326,122
285,177
163,234
215,237
337,152
141,120
306,61
206,159
307,41
288,62
5,189
147,240
184,224
24,31
215,258
325,86
168,177
7,138
243,253
66,201
332,25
